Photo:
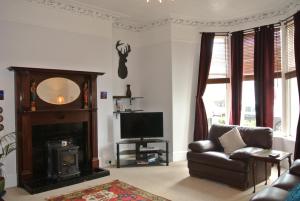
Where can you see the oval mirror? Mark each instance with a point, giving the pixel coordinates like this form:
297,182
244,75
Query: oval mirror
58,91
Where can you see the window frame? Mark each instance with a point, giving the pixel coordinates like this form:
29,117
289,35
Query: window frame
287,74
225,80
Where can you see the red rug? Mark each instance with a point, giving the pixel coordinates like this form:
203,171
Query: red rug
113,191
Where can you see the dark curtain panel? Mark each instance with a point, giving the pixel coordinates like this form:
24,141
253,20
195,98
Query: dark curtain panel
297,62
264,75
201,127
236,77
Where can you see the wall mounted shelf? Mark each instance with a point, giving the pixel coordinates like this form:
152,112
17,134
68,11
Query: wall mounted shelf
126,97
117,104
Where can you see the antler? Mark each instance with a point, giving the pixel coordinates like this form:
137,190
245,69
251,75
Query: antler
118,44
125,51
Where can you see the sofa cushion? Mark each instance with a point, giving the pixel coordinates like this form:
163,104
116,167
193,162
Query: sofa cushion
294,194
261,137
217,159
270,194
217,131
295,169
286,181
202,146
244,153
232,141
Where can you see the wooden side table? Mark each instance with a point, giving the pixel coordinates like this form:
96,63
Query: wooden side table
264,156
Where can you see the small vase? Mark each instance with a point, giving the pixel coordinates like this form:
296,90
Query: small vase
128,91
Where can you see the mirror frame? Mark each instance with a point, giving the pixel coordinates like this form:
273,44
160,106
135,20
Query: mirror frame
55,91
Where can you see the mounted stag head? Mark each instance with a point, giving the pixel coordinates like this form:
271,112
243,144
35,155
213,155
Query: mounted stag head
123,51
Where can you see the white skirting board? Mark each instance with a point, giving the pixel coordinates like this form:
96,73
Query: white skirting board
179,156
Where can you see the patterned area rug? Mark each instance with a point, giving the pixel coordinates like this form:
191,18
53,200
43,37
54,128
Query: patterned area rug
113,191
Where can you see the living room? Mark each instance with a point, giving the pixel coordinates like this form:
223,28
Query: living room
160,43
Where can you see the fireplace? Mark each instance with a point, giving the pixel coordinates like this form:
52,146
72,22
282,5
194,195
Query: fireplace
47,148
62,160
44,162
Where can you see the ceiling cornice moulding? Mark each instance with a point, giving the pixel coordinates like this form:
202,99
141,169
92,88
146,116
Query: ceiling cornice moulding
76,8
282,12
121,22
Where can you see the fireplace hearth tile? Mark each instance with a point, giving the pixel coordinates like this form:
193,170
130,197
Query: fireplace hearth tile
42,185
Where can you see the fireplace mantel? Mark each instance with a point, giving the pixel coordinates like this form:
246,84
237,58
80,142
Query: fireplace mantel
46,113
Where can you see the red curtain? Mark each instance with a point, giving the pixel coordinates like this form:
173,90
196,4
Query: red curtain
236,77
201,127
264,75
297,62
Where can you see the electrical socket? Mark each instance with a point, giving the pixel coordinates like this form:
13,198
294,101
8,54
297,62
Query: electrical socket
108,162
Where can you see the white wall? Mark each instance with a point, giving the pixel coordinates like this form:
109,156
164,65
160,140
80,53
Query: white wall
149,65
35,36
185,67
119,85
156,76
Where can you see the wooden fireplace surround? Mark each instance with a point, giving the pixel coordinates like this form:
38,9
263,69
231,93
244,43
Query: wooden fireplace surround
52,114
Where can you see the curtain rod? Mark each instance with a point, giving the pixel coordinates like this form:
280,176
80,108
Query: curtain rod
276,25
217,33
288,19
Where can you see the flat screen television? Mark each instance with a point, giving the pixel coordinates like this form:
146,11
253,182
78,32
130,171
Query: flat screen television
142,125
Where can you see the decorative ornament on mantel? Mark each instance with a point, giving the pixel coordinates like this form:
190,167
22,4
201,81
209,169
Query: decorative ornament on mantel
160,1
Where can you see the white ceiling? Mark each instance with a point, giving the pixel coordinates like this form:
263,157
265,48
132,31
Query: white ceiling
204,10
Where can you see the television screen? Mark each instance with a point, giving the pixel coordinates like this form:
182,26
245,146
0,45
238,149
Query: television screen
142,125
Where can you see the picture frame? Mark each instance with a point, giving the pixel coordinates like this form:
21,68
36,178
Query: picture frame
1,95
103,95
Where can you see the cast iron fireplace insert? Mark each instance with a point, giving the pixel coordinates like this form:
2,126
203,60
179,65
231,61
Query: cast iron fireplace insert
55,165
62,160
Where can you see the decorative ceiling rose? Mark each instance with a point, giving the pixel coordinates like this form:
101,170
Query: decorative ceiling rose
160,1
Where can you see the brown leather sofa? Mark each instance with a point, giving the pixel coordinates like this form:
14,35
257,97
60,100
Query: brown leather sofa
208,160
279,189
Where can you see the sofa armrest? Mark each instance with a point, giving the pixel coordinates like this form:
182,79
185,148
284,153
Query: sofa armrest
295,169
244,153
202,146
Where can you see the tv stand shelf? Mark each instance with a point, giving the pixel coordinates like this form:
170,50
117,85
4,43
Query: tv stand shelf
142,154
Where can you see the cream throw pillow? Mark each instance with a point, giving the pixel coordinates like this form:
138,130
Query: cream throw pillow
232,141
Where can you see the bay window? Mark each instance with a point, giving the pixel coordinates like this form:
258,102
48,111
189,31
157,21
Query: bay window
278,90
278,106
292,106
248,113
293,109
216,92
248,116
286,97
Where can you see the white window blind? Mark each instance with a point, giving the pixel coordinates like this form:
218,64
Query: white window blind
219,60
